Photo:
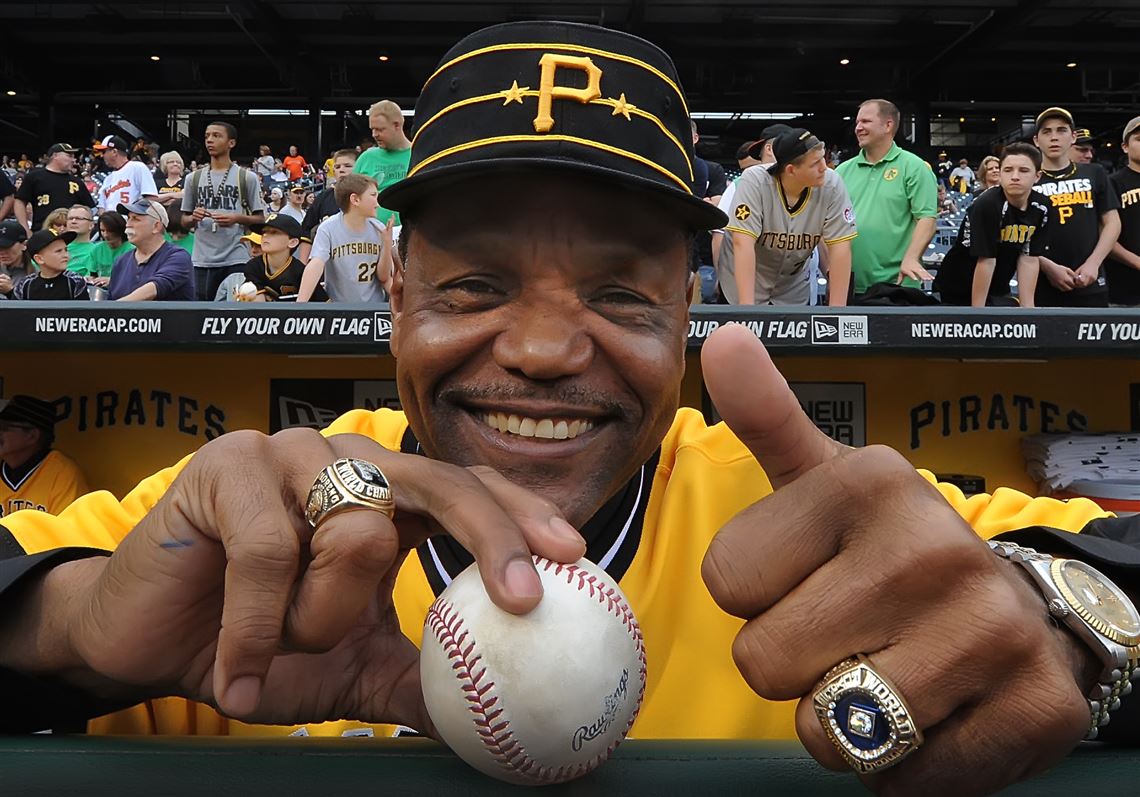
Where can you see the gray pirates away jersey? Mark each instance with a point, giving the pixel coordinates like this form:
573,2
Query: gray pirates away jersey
785,236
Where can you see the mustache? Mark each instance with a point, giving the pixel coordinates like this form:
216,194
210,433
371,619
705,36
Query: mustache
570,394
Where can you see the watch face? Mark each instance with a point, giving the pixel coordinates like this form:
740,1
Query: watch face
1098,601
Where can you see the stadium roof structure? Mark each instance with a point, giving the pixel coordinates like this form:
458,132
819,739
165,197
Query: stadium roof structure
734,56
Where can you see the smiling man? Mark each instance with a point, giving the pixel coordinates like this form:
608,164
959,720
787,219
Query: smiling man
539,363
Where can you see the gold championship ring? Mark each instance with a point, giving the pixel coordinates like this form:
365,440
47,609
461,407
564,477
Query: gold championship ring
864,716
348,484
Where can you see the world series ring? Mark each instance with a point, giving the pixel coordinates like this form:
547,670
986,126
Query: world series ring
348,484
864,716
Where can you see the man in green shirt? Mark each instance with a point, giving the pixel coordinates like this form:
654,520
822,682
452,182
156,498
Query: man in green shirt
387,162
81,251
895,195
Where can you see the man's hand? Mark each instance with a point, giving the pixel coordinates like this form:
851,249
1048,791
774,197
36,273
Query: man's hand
1060,277
224,594
386,266
1088,273
5,284
856,553
199,214
225,219
911,268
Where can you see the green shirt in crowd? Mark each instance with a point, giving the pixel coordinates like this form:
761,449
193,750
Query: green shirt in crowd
81,257
889,197
185,242
385,167
103,258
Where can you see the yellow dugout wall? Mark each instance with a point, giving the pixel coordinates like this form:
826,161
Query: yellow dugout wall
128,414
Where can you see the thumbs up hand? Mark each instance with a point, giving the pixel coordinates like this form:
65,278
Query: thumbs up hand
856,553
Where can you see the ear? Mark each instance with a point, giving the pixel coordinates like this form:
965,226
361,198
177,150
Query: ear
396,302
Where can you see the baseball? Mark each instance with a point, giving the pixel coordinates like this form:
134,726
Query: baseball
247,291
539,698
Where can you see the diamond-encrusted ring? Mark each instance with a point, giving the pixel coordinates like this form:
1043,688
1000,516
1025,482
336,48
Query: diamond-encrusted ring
864,716
348,484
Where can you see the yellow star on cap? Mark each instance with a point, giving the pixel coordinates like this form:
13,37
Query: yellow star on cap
514,93
622,107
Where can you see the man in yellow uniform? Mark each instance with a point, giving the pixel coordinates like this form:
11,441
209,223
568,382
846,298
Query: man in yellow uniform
32,475
539,366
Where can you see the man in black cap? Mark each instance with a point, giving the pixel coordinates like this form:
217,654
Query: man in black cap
15,265
943,168
761,149
1084,147
779,217
53,186
539,366
53,281
32,475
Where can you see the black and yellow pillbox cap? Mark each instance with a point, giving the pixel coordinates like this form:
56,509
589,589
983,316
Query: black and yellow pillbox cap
535,96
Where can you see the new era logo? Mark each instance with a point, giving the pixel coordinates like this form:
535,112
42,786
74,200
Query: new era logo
383,328
850,330
825,330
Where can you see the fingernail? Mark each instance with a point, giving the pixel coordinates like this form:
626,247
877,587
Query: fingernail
522,580
243,696
564,530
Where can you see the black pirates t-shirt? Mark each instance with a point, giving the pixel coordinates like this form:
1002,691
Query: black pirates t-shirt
45,191
282,283
1123,280
275,283
1079,195
993,227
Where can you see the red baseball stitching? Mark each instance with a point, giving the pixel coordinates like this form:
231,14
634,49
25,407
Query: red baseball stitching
447,626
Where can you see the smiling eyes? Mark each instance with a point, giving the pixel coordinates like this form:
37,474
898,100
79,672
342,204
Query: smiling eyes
484,290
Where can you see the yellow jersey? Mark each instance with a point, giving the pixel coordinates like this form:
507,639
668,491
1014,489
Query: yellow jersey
701,477
48,487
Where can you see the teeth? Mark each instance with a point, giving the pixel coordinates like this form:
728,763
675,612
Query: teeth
546,428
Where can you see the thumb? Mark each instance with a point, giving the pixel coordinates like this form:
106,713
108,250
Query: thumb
755,401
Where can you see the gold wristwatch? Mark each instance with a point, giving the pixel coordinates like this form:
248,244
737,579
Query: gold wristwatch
1097,611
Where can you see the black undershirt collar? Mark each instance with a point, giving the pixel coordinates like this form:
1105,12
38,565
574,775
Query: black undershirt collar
613,534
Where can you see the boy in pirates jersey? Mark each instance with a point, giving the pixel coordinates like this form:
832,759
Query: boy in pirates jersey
276,272
781,215
1122,270
352,250
1088,223
53,281
1004,231
32,475
756,153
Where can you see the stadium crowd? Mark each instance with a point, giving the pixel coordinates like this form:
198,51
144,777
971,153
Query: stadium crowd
1037,223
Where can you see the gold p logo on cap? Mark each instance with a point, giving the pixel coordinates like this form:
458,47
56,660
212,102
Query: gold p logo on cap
548,91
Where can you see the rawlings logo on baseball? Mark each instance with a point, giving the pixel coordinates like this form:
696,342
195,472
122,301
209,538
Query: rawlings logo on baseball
602,724
518,697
